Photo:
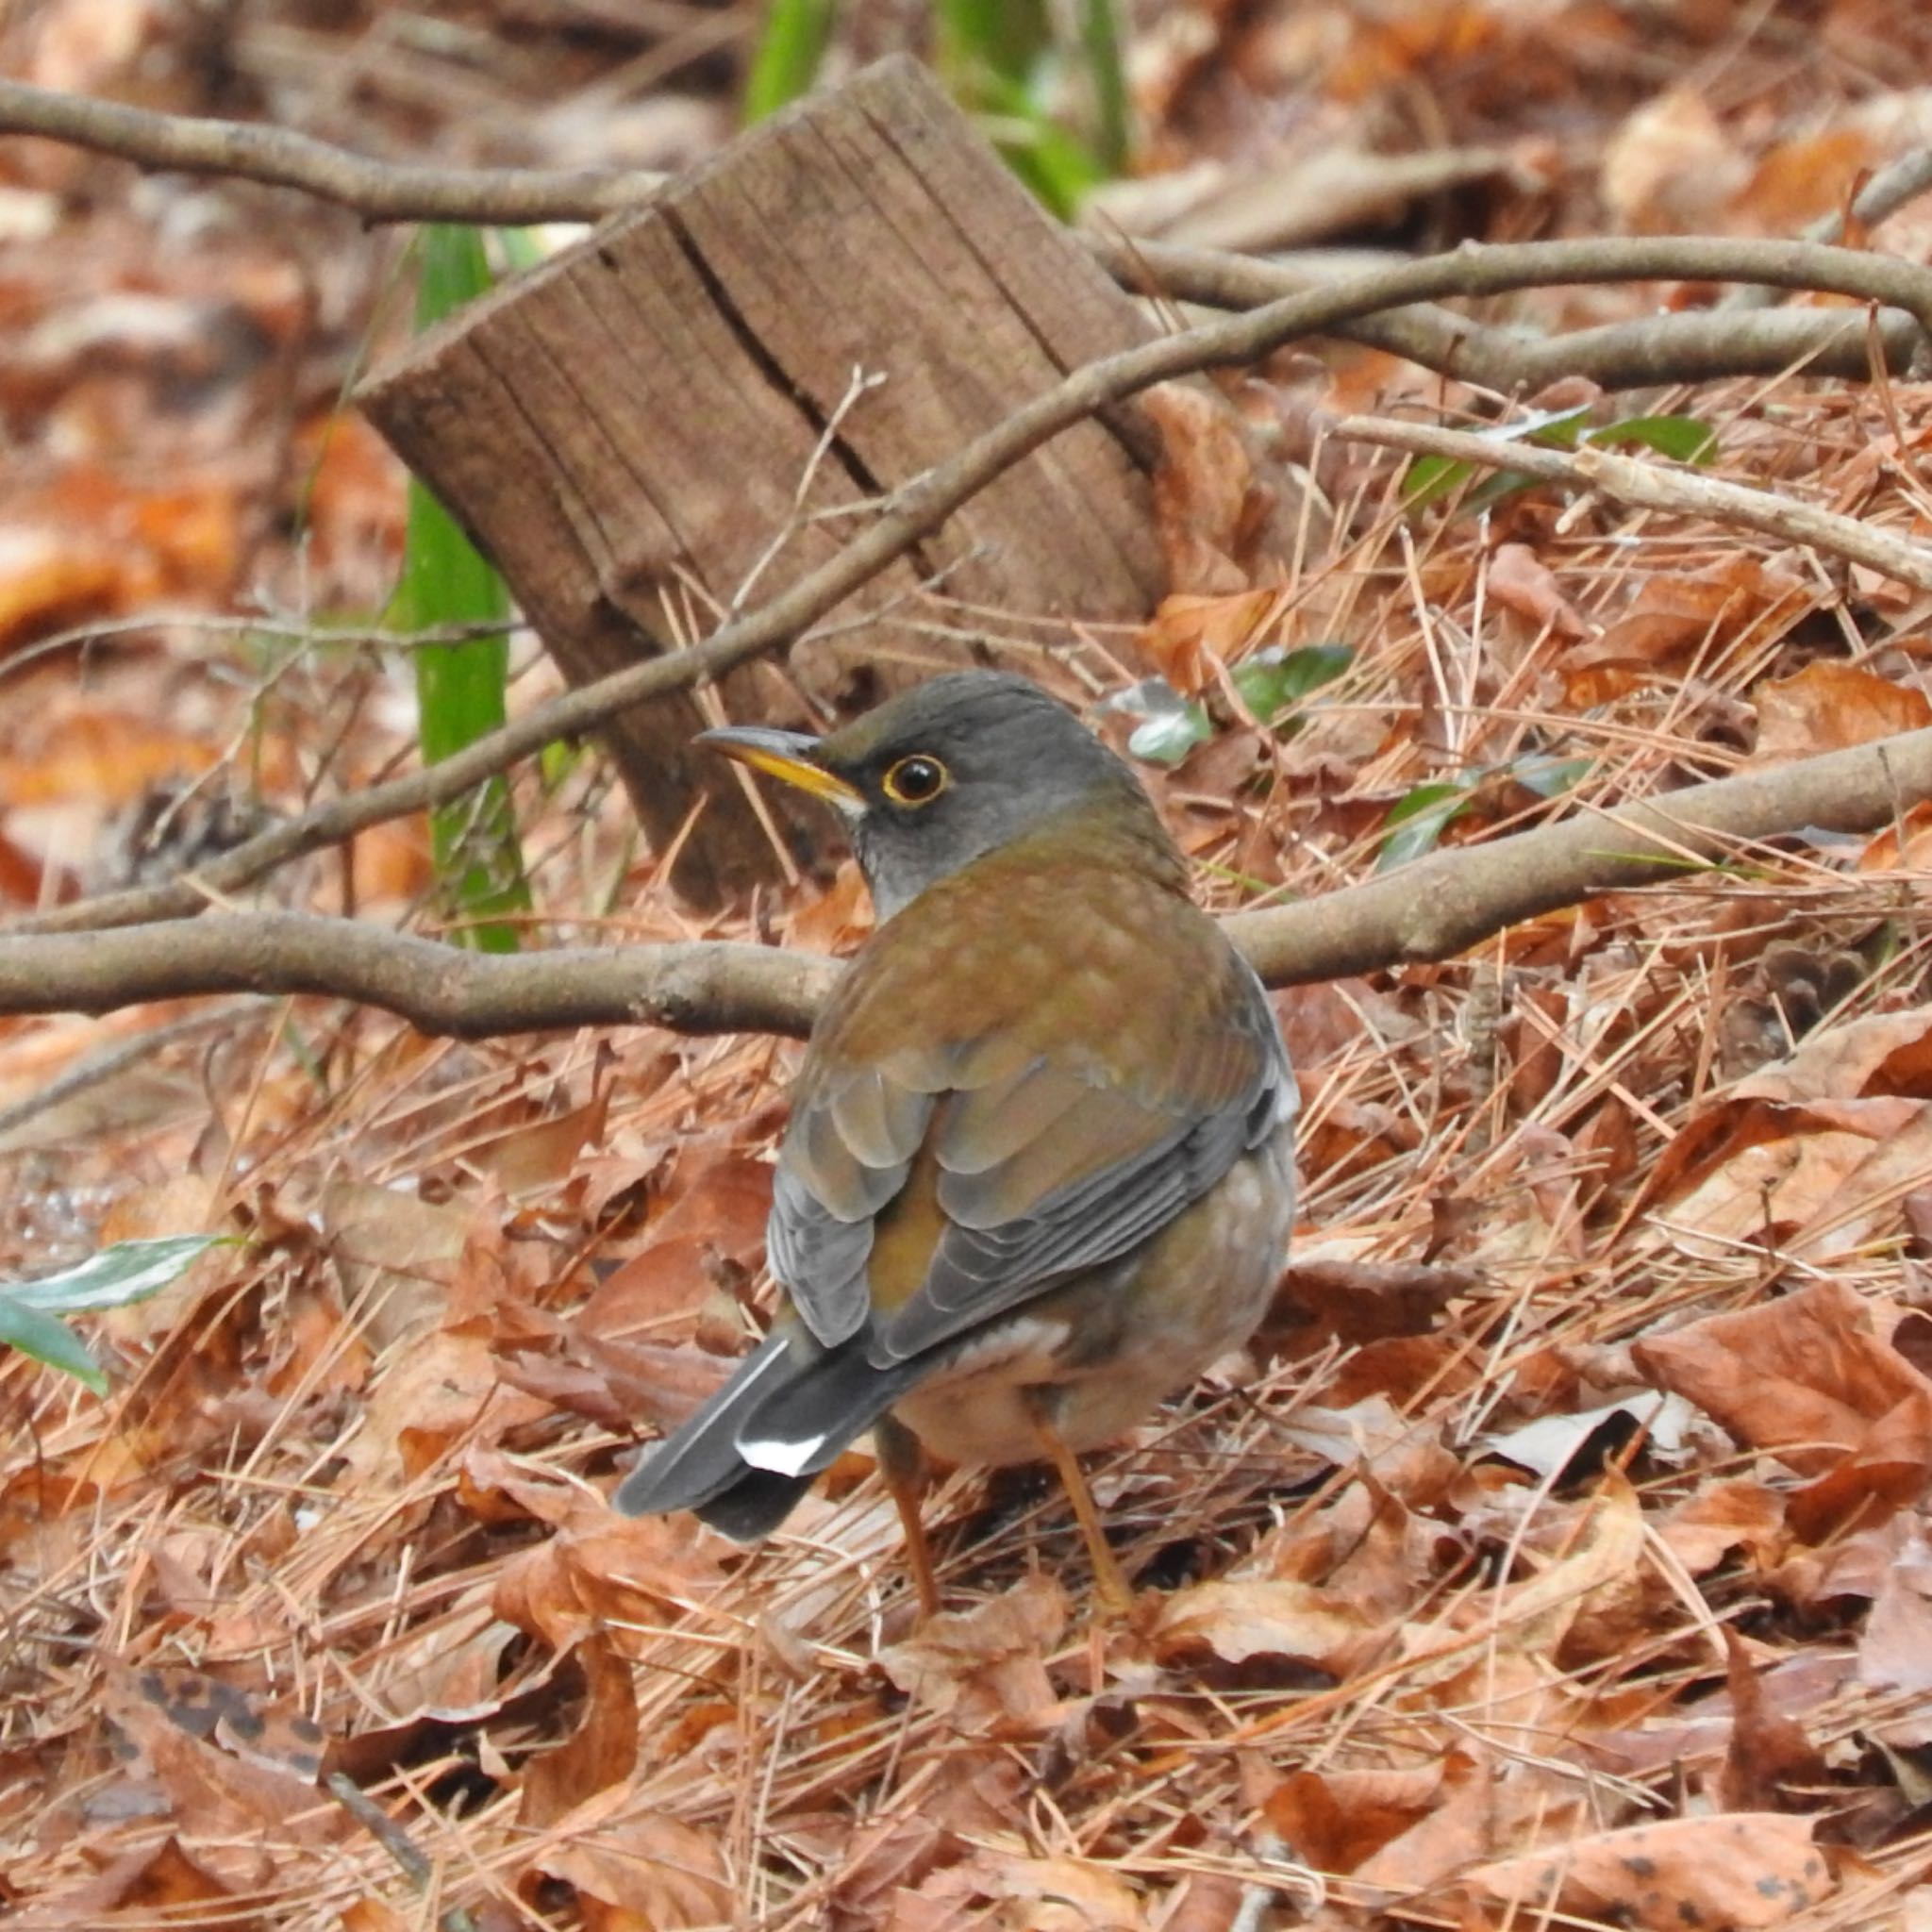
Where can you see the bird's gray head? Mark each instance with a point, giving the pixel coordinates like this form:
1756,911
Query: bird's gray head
947,772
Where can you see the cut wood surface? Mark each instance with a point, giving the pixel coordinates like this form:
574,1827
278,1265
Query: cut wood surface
840,300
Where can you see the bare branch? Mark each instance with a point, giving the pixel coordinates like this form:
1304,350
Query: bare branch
1648,351
908,513
1652,486
280,158
1431,909
1439,905
703,987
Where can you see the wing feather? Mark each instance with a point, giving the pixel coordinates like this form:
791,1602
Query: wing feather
1039,1160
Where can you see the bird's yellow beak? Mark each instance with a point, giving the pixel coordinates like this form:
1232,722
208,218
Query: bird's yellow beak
790,756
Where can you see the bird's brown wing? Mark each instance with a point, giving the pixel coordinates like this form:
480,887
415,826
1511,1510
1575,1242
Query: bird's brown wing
931,1186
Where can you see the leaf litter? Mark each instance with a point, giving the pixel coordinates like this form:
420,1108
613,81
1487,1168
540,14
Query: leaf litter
1559,1552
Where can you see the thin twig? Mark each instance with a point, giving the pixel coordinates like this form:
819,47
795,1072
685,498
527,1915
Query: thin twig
397,1843
111,1062
280,158
1653,486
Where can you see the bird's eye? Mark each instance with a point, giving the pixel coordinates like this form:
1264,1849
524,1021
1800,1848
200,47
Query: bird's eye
915,780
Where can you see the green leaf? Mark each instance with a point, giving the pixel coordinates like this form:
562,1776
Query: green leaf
1271,681
1416,822
1430,478
1683,437
49,1341
1168,737
791,51
461,688
1546,775
114,1278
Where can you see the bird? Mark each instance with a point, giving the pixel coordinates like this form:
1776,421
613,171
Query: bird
1039,1170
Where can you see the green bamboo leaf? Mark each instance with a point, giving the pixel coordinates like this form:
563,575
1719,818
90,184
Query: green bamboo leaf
50,1342
789,53
1683,437
114,1278
461,688
1430,478
128,1272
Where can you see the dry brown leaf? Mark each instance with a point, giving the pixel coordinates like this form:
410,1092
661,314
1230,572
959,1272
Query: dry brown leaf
1738,1871
1189,636
1519,580
1531,1618
1876,1056
668,1873
1320,1301
1235,1619
1674,618
1053,1895
1814,1378
1768,1759
1705,1527
601,1752
1828,706
1336,1820
1672,165
1209,505
985,1669
1896,1646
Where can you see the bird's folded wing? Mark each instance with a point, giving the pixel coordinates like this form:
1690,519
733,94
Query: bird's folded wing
940,1188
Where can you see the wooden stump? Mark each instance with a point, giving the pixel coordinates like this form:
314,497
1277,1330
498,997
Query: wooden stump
705,392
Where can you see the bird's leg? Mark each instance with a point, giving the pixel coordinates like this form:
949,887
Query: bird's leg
902,1462
1110,1582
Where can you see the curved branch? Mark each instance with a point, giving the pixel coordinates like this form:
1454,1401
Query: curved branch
1431,909
280,158
910,512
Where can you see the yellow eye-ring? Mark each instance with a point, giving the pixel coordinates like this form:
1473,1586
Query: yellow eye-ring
915,780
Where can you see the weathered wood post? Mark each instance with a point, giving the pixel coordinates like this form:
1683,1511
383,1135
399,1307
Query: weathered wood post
706,391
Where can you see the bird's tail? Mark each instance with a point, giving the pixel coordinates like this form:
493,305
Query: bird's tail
750,1452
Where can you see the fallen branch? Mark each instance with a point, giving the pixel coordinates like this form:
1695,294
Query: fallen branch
280,158
1431,909
1650,351
1653,486
908,513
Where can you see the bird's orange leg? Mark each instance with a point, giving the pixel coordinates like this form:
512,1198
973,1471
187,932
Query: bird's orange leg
902,1462
1110,1582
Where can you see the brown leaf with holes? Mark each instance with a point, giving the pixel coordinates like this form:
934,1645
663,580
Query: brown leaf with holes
1741,1870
